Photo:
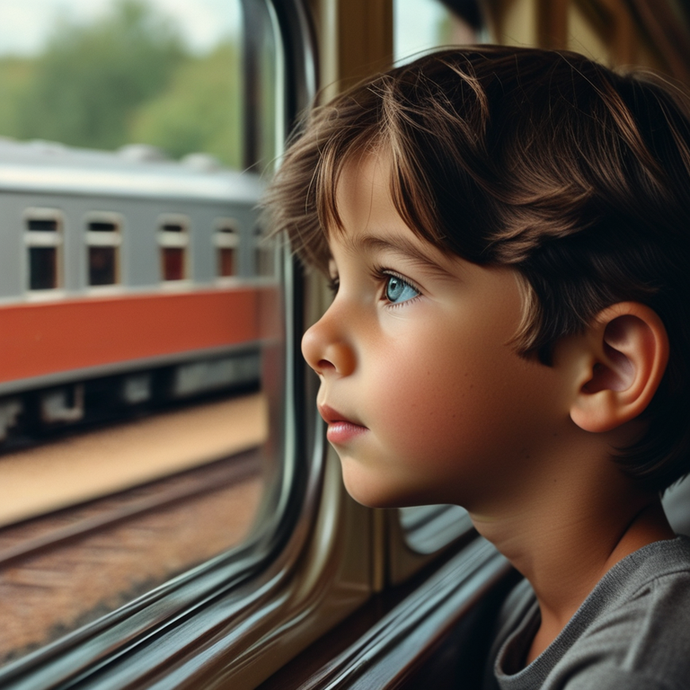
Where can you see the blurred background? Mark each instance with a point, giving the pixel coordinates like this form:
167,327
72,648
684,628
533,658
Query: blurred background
102,74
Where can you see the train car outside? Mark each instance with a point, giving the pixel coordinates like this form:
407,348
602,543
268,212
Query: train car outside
125,280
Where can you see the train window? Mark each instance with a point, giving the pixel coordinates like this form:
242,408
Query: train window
146,468
43,238
173,238
103,239
227,242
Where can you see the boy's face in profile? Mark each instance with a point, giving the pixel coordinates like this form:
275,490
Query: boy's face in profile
426,400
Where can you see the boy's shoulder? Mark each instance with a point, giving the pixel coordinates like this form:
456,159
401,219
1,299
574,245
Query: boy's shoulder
632,631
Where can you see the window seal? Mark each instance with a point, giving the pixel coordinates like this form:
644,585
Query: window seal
398,644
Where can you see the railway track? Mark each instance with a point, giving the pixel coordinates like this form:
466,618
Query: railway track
63,568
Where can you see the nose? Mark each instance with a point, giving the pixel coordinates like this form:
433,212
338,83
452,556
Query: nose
326,348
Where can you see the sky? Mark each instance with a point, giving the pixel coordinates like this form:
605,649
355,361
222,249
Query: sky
25,24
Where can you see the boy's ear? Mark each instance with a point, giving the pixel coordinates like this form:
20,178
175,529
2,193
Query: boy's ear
626,352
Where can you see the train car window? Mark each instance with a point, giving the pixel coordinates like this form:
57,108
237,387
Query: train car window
227,242
103,239
146,467
173,238
43,238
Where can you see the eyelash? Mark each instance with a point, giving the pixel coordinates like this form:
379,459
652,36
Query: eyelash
383,274
380,273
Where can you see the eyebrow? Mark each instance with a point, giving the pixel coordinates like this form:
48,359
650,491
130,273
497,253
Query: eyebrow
399,245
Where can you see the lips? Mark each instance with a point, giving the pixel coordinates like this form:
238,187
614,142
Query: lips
340,429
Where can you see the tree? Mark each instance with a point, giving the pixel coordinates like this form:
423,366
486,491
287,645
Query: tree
16,75
200,112
92,78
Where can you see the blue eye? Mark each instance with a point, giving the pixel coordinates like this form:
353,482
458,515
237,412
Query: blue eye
397,290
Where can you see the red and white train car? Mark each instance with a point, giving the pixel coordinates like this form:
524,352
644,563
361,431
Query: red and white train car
125,279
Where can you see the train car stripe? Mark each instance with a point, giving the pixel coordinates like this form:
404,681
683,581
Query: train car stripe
41,339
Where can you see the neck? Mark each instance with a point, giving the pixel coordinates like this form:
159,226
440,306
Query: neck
569,537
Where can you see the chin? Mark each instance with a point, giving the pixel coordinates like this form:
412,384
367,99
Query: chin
377,494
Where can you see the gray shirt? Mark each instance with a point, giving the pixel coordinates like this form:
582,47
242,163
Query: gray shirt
631,633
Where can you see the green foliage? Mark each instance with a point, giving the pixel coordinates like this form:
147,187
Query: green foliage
16,75
201,111
91,79
127,78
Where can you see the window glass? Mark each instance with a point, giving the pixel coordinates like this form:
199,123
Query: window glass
227,240
173,263
173,237
102,266
139,426
420,25
103,239
43,237
43,268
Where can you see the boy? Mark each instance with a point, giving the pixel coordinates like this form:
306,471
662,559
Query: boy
508,234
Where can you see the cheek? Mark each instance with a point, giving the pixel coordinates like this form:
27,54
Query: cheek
422,402
473,399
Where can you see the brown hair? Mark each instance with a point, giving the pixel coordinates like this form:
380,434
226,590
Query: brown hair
577,177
